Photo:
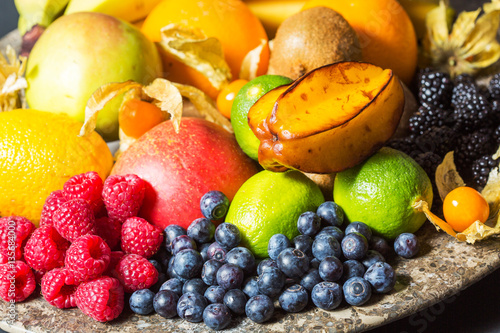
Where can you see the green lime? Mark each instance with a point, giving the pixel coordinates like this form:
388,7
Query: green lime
381,192
270,203
246,97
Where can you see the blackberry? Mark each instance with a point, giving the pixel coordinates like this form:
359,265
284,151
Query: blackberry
426,117
407,145
435,89
438,140
429,161
494,86
496,135
473,146
481,169
474,112
463,84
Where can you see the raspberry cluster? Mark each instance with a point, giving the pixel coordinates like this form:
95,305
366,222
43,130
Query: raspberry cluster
90,247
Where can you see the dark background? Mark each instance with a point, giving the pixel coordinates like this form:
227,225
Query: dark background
474,310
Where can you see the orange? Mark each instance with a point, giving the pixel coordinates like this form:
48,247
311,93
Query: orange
385,32
39,152
230,21
464,206
226,96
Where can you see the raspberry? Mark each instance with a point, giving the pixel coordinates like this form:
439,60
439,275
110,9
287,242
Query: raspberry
135,272
87,186
51,205
109,230
115,258
123,195
24,279
101,299
88,257
59,287
45,249
74,219
14,232
140,237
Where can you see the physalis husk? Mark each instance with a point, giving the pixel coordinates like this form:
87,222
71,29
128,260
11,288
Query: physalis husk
11,79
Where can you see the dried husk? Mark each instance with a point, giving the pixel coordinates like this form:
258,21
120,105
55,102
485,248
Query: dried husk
447,179
12,82
251,62
191,47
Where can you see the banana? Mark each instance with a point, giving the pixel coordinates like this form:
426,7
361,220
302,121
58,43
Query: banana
272,12
38,12
128,10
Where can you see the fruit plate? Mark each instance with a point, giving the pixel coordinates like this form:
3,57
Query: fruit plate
444,267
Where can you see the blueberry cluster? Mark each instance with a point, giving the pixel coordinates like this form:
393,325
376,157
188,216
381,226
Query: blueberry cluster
454,115
206,276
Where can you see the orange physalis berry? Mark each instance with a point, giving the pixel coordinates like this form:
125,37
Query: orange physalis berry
463,206
136,117
226,96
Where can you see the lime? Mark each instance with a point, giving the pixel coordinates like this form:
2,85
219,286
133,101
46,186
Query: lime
270,203
246,97
381,192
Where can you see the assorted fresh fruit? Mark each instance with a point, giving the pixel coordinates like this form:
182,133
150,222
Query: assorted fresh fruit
342,149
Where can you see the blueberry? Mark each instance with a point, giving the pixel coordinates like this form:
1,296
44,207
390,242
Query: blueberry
259,308
242,257
276,244
230,276
195,285
304,244
165,303
188,263
406,245
264,264
314,263
372,257
332,231
270,282
162,257
217,316
214,205
331,214
227,235
162,277
294,263
352,268
294,298
157,265
215,294
190,307
171,232
331,269
250,286
141,301
308,223
326,246
310,279
209,271
235,300
381,277
201,230
327,295
203,249
360,227
379,244
174,285
357,291
181,243
215,251
354,246
172,274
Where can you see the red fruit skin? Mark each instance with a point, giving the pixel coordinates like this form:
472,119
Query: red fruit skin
179,168
140,237
135,272
88,257
24,277
51,205
101,299
22,228
59,288
45,249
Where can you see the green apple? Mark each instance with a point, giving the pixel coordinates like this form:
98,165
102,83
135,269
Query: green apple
79,53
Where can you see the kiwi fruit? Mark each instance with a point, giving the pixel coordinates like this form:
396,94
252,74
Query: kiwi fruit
310,39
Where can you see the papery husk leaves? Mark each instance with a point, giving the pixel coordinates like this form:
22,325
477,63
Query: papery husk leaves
12,82
470,46
251,62
194,49
449,179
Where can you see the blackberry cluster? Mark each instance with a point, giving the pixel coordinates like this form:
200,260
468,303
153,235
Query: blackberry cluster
473,146
481,169
435,89
426,117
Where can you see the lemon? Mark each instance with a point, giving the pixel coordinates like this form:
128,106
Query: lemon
270,203
246,97
381,192
39,151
